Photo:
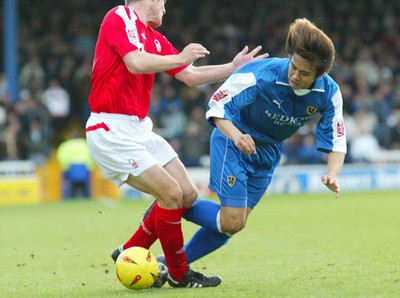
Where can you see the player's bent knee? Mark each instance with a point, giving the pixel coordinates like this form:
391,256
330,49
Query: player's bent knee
170,198
232,219
190,197
232,227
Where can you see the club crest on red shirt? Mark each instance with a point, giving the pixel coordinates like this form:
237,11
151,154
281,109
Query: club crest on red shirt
133,163
131,33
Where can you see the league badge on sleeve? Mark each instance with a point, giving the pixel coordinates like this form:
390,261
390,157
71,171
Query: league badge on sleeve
340,129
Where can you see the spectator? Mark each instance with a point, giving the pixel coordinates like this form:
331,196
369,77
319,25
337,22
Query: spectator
3,87
394,124
37,111
364,147
191,98
366,67
308,153
195,139
291,149
32,74
12,138
57,101
76,165
172,119
81,89
36,143
382,106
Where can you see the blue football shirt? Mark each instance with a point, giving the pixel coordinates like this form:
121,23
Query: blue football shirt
259,101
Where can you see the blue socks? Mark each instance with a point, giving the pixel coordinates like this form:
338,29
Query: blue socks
209,237
204,213
203,242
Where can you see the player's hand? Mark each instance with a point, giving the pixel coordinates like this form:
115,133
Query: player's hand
332,183
244,56
192,52
246,144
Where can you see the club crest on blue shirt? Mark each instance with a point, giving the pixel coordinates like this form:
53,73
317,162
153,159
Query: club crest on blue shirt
311,110
231,180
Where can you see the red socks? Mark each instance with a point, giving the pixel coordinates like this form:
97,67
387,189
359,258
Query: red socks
165,225
146,234
169,230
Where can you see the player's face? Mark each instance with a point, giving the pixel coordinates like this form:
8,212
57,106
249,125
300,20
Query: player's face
301,73
156,12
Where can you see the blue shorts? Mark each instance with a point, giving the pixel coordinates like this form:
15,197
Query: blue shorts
240,181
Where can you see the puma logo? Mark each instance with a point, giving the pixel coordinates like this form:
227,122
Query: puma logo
278,103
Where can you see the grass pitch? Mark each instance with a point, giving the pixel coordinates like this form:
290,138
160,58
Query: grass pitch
293,246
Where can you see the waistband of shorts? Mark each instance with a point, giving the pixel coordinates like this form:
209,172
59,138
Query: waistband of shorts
117,116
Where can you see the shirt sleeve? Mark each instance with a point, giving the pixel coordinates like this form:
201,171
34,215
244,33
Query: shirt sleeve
121,32
241,87
330,131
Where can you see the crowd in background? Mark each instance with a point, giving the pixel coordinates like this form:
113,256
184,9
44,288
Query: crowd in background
57,40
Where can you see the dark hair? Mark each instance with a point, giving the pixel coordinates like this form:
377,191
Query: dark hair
311,43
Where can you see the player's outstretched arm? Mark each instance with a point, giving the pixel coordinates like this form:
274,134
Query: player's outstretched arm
335,163
138,62
244,56
197,75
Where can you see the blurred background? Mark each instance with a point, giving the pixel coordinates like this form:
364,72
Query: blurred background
47,52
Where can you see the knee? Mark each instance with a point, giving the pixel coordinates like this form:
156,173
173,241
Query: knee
190,197
171,197
232,225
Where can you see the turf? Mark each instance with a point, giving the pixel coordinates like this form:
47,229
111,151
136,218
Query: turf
293,246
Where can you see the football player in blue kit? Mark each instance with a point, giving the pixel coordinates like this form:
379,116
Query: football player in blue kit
259,106
254,111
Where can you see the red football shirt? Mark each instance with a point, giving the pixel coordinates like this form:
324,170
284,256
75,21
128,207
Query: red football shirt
114,88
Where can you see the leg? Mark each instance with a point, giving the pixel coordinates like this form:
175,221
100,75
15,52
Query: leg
210,237
161,219
204,213
238,191
232,220
207,240
166,221
189,190
189,194
203,242
228,178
